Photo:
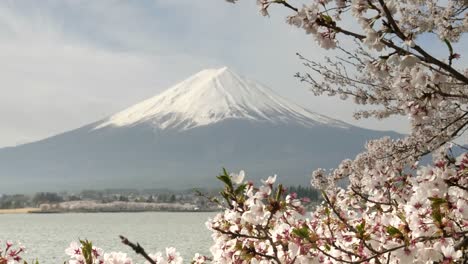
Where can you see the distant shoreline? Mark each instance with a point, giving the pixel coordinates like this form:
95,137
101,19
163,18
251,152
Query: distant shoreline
31,210
20,210
122,211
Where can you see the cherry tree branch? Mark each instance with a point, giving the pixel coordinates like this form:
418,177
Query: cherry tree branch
137,248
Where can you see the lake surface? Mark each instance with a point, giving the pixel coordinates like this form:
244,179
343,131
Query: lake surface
46,236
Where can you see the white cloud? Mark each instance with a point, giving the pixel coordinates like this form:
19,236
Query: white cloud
52,82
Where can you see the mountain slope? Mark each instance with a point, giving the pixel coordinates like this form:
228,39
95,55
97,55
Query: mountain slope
183,137
211,96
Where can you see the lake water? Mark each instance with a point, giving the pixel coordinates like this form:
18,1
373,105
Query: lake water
46,236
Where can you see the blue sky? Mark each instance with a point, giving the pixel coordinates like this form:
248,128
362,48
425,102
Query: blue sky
66,63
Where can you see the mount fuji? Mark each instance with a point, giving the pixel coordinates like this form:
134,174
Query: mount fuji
212,96
182,138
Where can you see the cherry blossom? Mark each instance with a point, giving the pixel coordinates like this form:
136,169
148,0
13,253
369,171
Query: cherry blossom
394,210
117,258
238,178
10,253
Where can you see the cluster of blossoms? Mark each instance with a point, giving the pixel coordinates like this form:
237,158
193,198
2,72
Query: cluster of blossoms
257,226
406,219
11,254
390,69
171,256
85,253
392,210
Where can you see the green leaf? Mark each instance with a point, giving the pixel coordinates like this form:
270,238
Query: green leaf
226,179
225,196
240,189
436,201
327,18
394,232
87,251
360,227
302,232
437,215
279,192
436,212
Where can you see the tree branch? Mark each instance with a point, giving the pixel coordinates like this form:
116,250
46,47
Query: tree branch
137,248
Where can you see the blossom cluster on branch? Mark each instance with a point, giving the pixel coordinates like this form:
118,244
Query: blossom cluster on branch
421,218
389,69
11,253
85,253
391,200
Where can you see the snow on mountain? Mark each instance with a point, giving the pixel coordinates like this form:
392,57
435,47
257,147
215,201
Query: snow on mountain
211,96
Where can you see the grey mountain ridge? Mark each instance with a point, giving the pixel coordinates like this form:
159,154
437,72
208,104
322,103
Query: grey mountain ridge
168,143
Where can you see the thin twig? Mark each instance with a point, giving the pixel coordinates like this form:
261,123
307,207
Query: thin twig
137,248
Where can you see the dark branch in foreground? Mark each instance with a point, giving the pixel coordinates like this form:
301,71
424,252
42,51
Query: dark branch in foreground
137,248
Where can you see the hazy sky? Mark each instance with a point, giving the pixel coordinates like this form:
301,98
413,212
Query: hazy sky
66,63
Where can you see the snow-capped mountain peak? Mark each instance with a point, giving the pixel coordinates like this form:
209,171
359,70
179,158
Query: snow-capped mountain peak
211,96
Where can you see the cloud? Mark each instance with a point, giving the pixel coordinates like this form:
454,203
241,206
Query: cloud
55,78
